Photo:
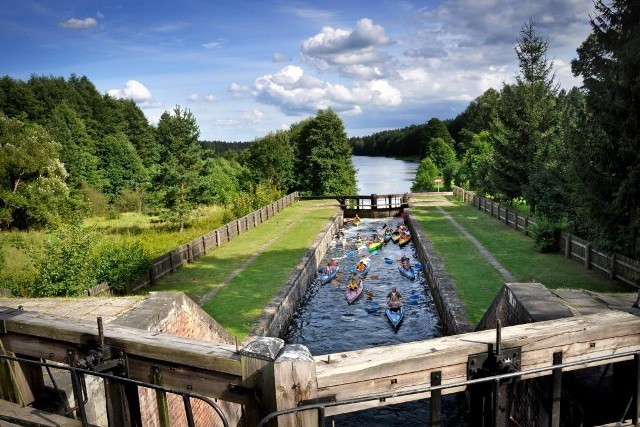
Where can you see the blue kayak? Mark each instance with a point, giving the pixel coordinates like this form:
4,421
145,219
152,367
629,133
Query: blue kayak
409,273
395,317
327,277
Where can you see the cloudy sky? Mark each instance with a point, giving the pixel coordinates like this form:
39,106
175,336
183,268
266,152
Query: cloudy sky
247,68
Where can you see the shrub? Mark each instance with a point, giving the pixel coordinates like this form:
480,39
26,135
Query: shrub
64,266
120,265
546,235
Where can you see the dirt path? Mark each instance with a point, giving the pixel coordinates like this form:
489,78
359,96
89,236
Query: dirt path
438,200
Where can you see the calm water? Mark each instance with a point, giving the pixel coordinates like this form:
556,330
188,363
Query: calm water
383,175
325,323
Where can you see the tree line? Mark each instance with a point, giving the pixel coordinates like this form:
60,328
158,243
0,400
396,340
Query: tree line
572,157
67,151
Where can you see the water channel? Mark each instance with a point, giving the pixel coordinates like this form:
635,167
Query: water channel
325,323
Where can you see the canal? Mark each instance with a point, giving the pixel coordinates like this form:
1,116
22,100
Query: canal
325,323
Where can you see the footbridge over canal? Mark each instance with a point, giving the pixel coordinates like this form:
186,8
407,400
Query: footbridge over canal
290,387
368,206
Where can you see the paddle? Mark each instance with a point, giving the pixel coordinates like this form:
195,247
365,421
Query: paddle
388,260
374,277
418,266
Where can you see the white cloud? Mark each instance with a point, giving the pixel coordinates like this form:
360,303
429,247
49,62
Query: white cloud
133,90
193,97
213,44
280,57
335,47
75,23
238,91
210,98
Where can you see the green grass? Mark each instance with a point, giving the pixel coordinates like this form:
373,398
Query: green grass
278,246
476,281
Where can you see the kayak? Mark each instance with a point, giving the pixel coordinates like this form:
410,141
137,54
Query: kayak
395,236
404,239
387,235
395,317
356,221
367,266
409,273
374,246
327,277
352,294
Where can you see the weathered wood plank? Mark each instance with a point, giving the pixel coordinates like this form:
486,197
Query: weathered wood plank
40,329
371,371
11,412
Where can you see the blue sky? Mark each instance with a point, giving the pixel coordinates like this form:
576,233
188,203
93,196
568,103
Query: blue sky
247,68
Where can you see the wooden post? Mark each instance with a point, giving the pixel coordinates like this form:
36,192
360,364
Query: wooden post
567,245
189,254
587,256
217,233
294,374
612,270
256,361
556,392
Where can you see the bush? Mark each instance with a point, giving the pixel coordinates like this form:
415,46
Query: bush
546,235
64,267
120,265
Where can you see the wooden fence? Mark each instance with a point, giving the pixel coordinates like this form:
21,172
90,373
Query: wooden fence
169,262
613,266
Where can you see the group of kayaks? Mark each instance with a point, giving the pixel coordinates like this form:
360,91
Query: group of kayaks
355,285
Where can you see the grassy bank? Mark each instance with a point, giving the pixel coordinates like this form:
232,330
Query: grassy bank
245,273
476,281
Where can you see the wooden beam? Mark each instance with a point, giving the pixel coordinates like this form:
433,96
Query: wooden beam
186,363
360,373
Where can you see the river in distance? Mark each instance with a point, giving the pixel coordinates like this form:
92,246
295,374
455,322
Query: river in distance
325,323
383,175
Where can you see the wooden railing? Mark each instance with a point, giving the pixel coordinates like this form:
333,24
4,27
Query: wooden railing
185,254
286,376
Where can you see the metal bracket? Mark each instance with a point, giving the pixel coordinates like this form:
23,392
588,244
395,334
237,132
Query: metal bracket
318,400
494,362
240,389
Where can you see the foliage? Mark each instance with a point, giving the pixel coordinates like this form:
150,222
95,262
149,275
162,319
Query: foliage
181,163
65,266
120,265
444,157
476,164
546,234
425,176
525,134
271,159
607,169
32,187
323,165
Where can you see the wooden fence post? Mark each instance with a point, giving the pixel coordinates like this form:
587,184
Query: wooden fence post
567,245
612,271
294,374
256,362
587,256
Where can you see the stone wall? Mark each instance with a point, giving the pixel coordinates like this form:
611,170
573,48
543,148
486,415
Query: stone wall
450,309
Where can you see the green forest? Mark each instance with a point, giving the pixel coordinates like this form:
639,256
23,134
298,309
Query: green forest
571,158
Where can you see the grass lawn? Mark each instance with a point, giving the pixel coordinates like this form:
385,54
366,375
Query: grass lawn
476,281
277,245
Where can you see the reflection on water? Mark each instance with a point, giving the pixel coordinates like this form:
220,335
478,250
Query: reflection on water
327,324
384,175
